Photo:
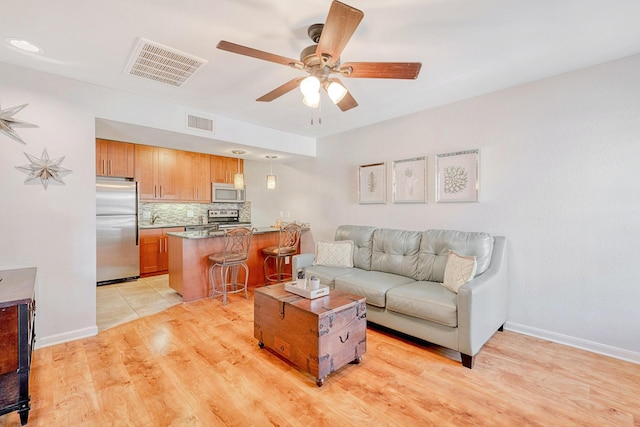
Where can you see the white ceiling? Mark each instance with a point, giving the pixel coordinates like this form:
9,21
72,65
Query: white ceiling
467,48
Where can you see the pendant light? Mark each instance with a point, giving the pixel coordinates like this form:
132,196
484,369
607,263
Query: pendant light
238,178
271,178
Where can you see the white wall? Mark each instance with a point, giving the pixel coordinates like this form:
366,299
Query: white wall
54,230
559,178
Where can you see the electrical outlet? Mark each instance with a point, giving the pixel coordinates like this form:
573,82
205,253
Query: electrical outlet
286,260
189,214
146,215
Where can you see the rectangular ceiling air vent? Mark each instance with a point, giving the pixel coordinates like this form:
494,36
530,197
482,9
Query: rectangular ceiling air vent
163,64
199,123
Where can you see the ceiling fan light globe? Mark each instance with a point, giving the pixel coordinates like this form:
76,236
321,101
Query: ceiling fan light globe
312,100
310,85
336,92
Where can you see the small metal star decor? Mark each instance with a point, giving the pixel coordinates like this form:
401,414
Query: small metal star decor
44,169
7,122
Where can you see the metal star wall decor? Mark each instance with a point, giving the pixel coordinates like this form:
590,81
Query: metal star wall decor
7,122
44,169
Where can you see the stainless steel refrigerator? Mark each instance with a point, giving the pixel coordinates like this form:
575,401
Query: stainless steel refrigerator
117,252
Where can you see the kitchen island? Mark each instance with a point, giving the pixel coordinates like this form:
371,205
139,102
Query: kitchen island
189,260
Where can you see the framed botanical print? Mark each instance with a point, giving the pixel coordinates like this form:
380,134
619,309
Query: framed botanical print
372,183
410,180
457,178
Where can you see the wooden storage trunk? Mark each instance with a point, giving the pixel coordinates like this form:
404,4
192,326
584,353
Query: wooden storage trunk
318,335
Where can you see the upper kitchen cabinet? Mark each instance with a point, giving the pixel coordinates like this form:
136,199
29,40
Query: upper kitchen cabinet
223,168
194,177
114,158
156,173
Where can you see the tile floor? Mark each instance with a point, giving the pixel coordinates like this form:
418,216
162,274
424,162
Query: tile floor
122,302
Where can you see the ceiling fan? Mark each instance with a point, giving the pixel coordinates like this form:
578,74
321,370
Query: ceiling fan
322,61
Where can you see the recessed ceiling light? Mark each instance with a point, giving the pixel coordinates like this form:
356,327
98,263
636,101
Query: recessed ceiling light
23,45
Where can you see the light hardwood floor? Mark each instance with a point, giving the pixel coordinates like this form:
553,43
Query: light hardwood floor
197,364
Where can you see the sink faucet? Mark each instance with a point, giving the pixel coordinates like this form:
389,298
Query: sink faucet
154,218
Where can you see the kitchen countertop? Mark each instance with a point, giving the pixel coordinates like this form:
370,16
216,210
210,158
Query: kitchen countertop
204,234
158,225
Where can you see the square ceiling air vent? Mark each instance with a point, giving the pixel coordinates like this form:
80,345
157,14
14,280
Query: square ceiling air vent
163,64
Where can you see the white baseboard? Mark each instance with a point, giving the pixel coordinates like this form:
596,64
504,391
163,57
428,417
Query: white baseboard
66,337
594,347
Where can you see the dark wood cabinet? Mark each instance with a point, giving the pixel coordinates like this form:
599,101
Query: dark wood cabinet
17,311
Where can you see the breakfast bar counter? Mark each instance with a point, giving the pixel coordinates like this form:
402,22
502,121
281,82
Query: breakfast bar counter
189,259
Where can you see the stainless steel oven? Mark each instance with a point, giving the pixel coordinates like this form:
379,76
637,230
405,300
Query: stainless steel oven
224,219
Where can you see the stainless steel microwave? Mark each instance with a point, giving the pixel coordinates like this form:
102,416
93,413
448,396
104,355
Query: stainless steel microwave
226,193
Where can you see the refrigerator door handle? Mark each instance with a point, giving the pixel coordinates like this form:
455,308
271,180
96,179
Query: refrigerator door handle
137,219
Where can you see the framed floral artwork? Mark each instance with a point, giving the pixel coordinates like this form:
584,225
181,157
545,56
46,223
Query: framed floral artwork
410,180
372,183
457,178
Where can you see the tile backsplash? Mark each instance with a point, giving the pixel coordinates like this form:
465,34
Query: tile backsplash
186,213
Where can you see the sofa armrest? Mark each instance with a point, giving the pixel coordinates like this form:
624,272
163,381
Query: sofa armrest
301,261
483,302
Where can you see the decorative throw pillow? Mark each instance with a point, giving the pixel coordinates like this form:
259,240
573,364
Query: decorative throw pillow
459,270
334,254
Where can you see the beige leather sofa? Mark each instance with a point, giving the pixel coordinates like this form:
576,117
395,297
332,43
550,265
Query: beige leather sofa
401,273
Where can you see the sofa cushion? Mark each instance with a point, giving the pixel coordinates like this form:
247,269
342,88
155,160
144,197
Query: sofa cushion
425,300
434,251
334,254
459,270
373,285
328,274
396,251
362,237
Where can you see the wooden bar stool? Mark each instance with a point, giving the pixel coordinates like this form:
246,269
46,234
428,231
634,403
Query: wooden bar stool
288,239
235,254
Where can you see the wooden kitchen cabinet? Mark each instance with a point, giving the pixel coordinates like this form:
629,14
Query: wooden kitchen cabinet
114,158
154,250
223,168
17,312
194,177
156,170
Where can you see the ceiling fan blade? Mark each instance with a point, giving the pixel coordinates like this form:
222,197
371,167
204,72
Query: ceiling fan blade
382,70
340,25
281,90
255,53
347,102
